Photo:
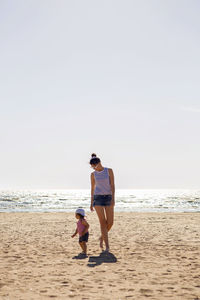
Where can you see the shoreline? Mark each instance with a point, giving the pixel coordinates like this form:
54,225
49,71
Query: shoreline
153,254
116,212
126,200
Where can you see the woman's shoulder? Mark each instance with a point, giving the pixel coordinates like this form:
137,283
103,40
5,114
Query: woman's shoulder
110,171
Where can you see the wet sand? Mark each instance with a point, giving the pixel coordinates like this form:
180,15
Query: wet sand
153,255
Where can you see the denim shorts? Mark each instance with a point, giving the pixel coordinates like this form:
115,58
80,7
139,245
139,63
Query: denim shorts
102,200
84,238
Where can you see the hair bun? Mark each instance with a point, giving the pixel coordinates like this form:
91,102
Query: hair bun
93,155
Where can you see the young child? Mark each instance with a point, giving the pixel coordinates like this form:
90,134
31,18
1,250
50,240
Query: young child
82,229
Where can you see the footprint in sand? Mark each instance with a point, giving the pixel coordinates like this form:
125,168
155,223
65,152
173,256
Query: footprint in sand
43,291
145,291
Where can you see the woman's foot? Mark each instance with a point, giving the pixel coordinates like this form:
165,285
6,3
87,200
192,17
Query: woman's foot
101,242
82,254
106,251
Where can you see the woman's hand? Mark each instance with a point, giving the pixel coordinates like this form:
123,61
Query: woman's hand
112,203
91,207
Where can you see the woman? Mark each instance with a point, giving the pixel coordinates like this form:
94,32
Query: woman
102,197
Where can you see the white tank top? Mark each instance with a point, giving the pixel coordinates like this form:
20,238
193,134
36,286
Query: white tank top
102,182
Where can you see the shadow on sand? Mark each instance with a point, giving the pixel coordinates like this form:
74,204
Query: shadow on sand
104,257
80,256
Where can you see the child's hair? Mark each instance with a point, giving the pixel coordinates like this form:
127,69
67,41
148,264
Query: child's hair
82,217
94,160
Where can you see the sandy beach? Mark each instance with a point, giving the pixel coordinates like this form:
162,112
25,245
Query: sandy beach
153,255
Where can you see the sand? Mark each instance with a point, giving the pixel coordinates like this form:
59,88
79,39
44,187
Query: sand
153,256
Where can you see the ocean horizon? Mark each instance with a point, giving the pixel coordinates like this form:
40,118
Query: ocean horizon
133,200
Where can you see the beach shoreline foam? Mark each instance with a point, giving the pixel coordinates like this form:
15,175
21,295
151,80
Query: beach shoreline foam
153,255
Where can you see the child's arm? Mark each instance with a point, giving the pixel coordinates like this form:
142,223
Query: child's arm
85,223
75,233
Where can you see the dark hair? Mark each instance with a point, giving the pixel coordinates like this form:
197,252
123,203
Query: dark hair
94,160
82,217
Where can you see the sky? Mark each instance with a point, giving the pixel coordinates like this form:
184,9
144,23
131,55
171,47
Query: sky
118,78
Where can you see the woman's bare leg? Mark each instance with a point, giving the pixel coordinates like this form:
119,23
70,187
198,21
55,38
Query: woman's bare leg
101,242
102,220
109,210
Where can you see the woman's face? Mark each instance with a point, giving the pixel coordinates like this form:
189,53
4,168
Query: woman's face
94,166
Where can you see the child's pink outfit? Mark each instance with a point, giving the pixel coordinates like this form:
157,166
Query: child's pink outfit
81,228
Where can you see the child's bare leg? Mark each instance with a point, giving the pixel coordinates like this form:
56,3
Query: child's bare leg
83,246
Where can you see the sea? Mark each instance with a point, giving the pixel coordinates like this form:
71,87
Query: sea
127,200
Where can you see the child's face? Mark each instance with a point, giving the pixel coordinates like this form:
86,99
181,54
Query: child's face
77,216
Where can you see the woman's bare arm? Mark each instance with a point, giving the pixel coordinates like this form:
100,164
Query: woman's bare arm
112,184
92,190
